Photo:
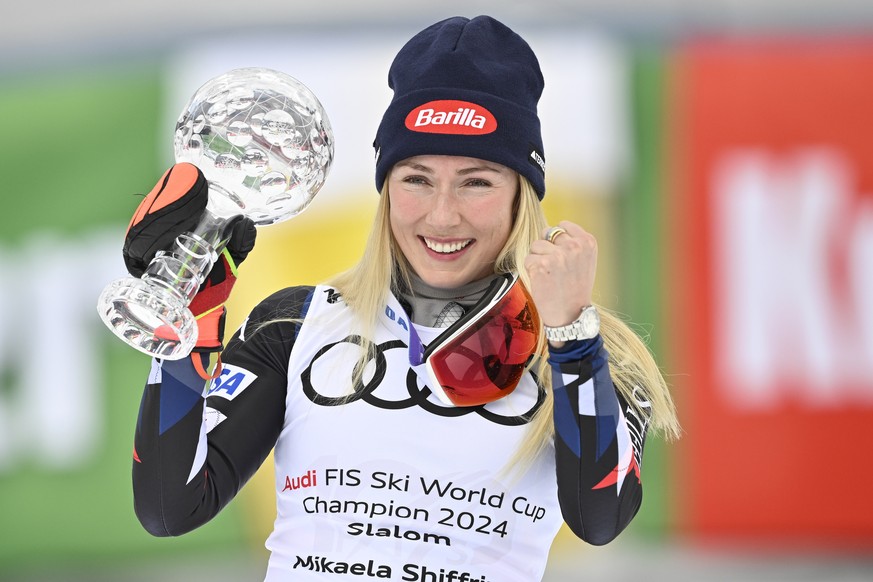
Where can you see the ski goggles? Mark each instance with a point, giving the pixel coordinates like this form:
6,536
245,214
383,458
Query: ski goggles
482,357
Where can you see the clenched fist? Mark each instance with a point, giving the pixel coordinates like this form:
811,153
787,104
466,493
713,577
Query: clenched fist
562,273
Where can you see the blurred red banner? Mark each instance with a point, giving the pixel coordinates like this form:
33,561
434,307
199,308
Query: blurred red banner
769,227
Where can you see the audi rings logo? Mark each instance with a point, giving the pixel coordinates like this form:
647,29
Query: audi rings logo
369,391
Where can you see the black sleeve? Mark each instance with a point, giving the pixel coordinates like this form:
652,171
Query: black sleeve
197,444
599,442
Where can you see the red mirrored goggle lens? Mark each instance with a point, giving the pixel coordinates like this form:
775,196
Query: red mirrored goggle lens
487,361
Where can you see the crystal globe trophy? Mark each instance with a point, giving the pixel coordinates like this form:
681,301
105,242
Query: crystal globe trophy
265,145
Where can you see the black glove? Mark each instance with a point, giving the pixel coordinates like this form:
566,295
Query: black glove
175,206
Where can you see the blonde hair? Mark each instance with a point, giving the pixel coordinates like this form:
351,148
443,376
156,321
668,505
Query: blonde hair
634,372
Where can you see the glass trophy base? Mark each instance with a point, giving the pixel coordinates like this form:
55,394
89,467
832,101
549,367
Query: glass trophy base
148,318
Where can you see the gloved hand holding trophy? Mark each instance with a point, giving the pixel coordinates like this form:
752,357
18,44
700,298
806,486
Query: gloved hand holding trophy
264,144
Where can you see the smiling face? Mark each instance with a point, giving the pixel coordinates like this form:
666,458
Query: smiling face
451,216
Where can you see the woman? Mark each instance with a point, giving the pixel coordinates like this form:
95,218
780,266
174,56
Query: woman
381,469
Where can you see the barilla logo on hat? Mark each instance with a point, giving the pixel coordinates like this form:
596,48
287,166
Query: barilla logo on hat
452,117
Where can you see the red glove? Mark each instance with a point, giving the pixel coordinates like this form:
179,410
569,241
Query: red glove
208,305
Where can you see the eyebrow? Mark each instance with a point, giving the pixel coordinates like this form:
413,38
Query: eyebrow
461,172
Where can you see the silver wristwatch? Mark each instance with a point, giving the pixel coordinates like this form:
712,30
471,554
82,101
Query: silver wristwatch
586,326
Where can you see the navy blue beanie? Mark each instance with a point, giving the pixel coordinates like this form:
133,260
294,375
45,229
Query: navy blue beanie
468,88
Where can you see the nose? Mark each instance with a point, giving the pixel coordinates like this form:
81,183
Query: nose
444,212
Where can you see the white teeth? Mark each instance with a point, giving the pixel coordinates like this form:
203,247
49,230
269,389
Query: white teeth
446,247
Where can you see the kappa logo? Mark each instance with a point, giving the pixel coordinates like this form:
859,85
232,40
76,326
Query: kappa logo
231,383
451,117
333,295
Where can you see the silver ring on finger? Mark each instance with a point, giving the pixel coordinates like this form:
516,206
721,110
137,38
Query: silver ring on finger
554,232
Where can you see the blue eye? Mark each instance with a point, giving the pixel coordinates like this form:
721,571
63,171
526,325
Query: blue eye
414,179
